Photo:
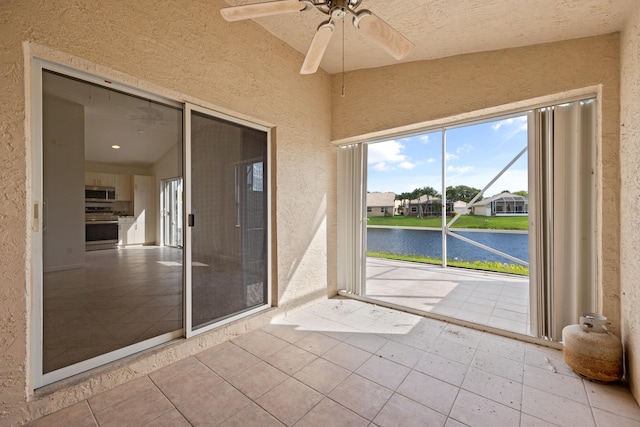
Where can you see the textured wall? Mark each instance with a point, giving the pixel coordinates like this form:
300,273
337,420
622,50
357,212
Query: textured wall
418,92
630,196
181,49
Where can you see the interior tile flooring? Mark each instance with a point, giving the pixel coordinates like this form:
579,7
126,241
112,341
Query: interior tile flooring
343,362
120,297
493,299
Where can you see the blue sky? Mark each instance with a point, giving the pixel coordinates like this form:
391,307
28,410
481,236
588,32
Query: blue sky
474,155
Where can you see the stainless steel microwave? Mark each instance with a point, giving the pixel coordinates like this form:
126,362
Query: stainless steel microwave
99,194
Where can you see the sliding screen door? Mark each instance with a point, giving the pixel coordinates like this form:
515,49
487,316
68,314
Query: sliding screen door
228,218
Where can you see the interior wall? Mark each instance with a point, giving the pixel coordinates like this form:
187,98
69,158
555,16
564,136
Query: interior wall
184,50
63,179
630,194
419,92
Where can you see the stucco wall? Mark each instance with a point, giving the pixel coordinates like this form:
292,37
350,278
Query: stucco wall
630,196
184,50
403,95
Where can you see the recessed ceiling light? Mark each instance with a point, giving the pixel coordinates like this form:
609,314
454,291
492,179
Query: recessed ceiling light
115,147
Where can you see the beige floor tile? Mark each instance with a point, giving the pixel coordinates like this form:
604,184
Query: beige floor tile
135,411
257,380
452,350
553,382
400,353
347,356
494,387
384,372
290,401
501,366
317,343
286,331
118,394
547,358
475,410
606,419
215,405
260,343
502,346
400,411
555,409
613,398
429,391
441,368
181,389
362,396
291,359
329,413
65,416
228,361
172,418
527,420
180,369
453,423
472,377
252,415
88,421
322,375
366,342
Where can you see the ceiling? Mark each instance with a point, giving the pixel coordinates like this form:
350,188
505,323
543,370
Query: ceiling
441,28
144,130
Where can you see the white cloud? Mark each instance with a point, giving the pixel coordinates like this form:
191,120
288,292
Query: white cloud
451,156
385,156
388,151
424,138
459,169
431,160
406,165
511,126
466,148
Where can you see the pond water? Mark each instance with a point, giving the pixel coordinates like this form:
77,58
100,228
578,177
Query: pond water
429,243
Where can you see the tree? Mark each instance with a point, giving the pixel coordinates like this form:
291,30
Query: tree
522,193
462,192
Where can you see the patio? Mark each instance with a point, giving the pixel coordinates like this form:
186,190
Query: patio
346,362
493,299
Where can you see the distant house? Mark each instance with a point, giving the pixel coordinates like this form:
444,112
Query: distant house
427,206
460,207
503,204
381,204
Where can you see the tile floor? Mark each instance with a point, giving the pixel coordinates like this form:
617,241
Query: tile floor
347,363
497,300
121,297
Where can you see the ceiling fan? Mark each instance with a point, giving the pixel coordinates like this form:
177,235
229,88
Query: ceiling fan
372,26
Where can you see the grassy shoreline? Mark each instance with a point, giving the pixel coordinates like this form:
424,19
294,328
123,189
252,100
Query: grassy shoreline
497,267
465,221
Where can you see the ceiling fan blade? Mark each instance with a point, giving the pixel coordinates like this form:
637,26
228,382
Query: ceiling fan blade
316,49
383,34
257,10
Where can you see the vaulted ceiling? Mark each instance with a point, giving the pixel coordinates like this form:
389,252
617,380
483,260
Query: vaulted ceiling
441,28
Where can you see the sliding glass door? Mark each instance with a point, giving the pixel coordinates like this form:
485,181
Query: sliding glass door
513,194
108,161
227,218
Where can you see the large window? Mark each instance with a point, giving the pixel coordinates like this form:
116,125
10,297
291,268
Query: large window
466,196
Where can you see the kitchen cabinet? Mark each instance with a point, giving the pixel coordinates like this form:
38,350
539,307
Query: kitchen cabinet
144,209
99,179
126,230
123,187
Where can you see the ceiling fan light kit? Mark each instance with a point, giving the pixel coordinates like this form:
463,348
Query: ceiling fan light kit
372,26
